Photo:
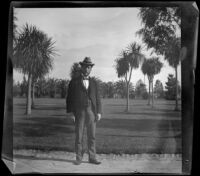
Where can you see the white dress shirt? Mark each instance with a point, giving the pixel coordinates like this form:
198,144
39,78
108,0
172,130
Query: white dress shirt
86,83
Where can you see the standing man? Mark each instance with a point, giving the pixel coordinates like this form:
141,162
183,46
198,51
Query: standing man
84,106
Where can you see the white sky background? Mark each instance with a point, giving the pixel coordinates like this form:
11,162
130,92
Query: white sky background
100,33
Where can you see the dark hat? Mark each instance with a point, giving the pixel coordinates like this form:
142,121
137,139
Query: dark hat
86,61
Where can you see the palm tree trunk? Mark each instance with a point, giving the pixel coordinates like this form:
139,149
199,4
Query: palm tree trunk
152,98
176,106
55,90
33,96
127,98
149,92
28,103
24,91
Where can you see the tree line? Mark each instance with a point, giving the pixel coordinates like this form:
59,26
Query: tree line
57,88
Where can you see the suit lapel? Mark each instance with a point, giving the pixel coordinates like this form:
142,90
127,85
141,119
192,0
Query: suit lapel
81,84
91,86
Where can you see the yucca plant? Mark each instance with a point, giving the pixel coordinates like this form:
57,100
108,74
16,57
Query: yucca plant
151,67
129,59
33,56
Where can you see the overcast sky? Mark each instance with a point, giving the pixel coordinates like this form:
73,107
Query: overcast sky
99,33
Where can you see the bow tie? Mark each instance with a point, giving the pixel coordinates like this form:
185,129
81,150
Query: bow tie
85,78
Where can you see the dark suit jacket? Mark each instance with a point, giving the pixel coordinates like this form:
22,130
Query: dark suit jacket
77,95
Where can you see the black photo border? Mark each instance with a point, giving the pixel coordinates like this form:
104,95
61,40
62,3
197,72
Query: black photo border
190,85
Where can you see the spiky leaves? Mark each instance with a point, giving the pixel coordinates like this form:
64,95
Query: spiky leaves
33,56
33,53
129,59
151,67
122,64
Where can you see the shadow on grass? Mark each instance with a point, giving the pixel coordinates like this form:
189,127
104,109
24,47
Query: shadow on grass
52,130
47,126
136,105
20,104
144,136
40,126
159,113
139,125
51,108
55,133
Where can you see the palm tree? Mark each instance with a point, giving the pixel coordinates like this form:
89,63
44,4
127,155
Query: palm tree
128,61
33,56
33,94
151,67
172,56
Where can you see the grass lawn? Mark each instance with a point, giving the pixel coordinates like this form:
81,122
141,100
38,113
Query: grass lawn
142,130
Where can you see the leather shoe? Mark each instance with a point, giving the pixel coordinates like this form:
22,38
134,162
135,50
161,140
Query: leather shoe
77,162
94,161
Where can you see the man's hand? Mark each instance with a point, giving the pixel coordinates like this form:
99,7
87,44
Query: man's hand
71,115
98,117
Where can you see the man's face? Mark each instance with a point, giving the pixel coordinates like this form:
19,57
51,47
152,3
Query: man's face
86,69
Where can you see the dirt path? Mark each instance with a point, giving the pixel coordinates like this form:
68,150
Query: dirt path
26,161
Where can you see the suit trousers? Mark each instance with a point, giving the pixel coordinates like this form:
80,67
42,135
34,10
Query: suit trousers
85,118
